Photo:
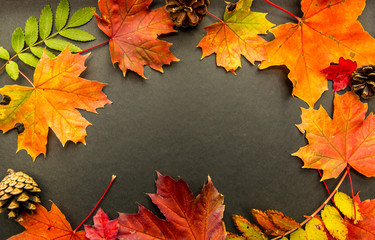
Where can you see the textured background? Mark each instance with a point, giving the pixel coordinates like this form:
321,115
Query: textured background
192,121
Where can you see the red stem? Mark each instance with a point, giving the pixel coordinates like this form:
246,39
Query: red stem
92,211
318,210
351,187
95,46
26,78
215,17
282,9
326,187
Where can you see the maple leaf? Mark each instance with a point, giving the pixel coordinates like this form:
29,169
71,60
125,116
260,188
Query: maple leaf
133,30
103,229
327,31
345,139
340,73
187,217
235,36
45,224
52,102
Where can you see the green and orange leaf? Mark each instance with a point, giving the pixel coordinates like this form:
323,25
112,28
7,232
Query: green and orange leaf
235,36
52,102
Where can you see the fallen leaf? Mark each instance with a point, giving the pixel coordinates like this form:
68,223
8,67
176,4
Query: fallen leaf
52,102
345,139
327,31
235,36
133,30
103,229
340,73
187,217
45,224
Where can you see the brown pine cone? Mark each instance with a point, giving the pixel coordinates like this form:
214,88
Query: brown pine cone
363,81
185,13
18,192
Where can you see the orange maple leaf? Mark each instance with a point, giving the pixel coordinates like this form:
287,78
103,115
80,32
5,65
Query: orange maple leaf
133,30
327,31
45,224
235,36
52,102
345,139
187,217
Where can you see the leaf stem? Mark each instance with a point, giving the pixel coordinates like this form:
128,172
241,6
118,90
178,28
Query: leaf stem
319,209
351,187
215,16
97,204
282,9
98,45
26,78
325,185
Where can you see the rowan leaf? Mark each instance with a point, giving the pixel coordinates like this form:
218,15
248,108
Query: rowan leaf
327,31
315,229
249,231
345,139
81,17
45,22
103,229
299,234
77,35
4,54
235,36
340,73
18,40
60,45
187,217
12,69
345,204
334,223
133,30
45,224
38,51
62,14
31,31
29,59
52,103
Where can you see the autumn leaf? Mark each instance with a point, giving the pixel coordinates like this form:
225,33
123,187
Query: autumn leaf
345,139
133,30
187,217
45,224
103,229
52,102
340,73
327,31
235,36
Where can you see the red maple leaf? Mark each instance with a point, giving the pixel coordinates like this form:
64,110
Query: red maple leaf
133,30
187,217
340,73
103,229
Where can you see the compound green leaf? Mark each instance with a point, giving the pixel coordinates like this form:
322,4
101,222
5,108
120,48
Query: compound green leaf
62,14
31,31
81,16
38,51
12,70
29,59
58,44
4,54
77,35
45,22
18,40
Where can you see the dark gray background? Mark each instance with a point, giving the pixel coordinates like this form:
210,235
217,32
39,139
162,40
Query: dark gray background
191,121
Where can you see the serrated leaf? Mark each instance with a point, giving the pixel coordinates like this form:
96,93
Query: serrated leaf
77,35
334,223
62,14
249,230
29,59
345,204
18,40
45,22
103,228
315,229
12,70
4,54
58,44
81,16
231,236
31,31
299,234
38,51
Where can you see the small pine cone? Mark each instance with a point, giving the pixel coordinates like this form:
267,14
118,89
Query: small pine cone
363,81
185,13
18,192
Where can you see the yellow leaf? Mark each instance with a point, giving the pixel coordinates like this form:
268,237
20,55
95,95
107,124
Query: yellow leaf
334,223
299,234
315,230
346,207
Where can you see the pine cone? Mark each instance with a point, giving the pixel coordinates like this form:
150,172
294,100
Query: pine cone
363,81
185,13
18,193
